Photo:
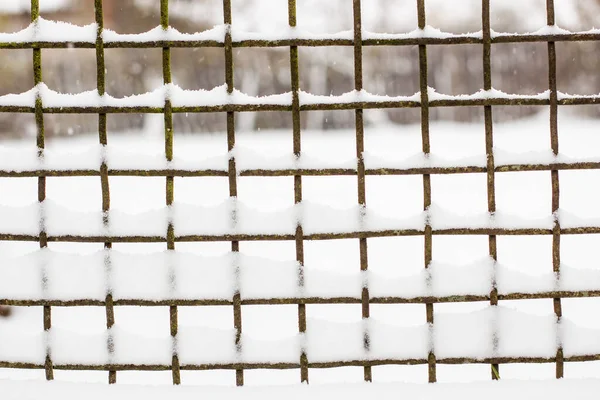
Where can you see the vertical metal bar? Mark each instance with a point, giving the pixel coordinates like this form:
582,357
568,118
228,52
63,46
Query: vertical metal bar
101,86
554,175
295,83
40,139
489,151
168,117
235,245
431,361
360,148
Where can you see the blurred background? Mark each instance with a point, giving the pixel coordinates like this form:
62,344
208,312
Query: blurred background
457,69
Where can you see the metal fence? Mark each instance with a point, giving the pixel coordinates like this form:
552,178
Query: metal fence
295,109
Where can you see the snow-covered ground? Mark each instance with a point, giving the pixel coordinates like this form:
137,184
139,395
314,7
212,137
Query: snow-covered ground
266,205
584,389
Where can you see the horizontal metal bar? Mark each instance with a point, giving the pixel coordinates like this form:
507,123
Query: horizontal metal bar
303,172
299,300
455,102
330,364
323,42
314,236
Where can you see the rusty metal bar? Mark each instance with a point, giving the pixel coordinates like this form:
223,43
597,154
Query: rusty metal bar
313,236
299,241
303,172
489,151
554,173
321,42
170,181
303,300
401,103
361,181
41,186
104,181
327,364
235,244
426,177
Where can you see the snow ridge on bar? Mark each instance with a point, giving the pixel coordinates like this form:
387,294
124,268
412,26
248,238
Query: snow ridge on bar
154,99
77,277
465,335
215,221
183,99
43,30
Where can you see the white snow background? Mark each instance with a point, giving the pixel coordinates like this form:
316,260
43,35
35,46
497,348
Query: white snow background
268,269
553,390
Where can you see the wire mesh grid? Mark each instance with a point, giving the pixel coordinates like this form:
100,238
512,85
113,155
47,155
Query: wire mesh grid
299,238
